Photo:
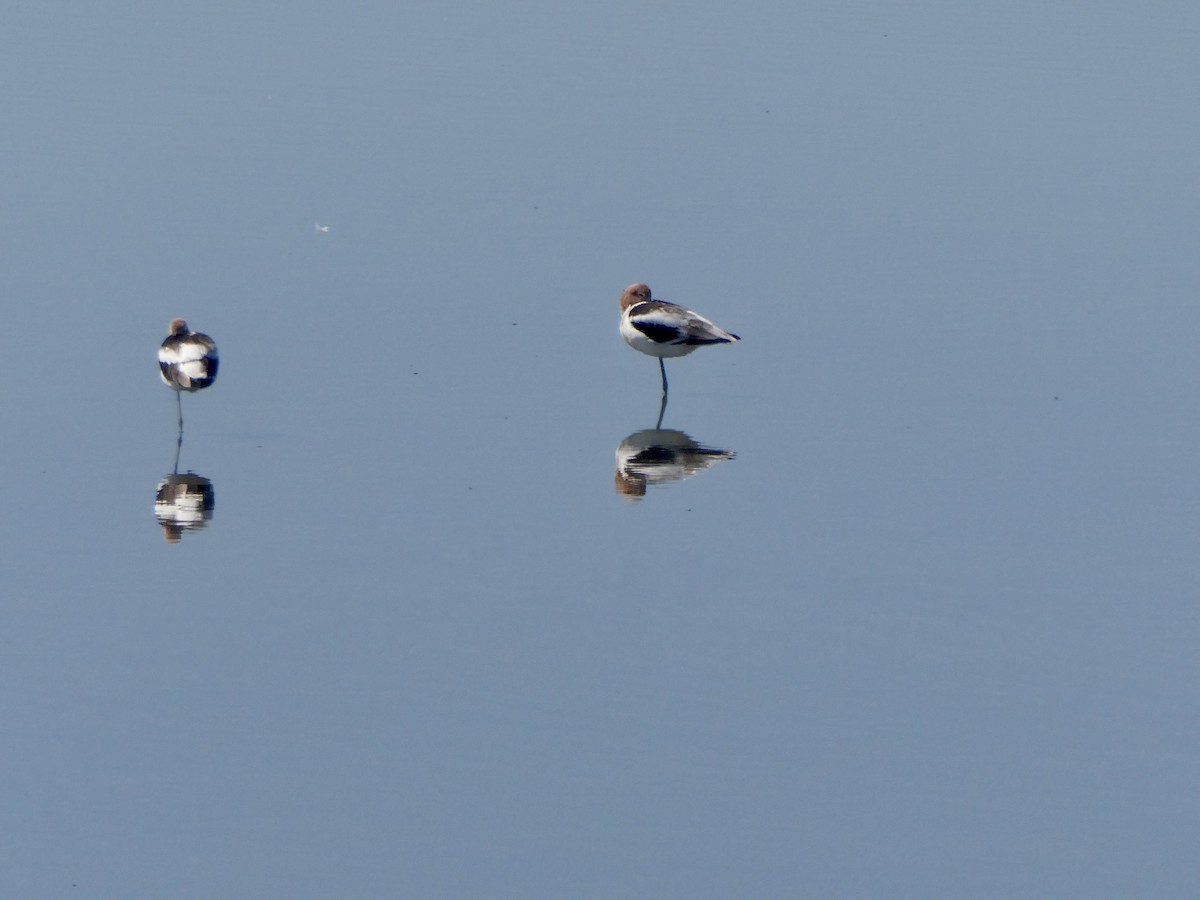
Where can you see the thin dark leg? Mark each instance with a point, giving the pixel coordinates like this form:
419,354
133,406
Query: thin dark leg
663,369
179,435
662,409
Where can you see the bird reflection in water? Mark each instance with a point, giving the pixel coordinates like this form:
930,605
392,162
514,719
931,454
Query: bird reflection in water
659,455
183,503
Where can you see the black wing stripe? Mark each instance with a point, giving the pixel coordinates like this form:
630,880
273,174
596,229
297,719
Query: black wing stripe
657,332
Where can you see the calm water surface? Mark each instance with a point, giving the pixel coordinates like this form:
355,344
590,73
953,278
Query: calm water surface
898,599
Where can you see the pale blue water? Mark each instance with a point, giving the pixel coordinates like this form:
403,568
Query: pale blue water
928,632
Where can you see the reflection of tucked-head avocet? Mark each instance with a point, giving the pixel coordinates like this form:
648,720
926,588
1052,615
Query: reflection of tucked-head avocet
662,329
183,503
659,455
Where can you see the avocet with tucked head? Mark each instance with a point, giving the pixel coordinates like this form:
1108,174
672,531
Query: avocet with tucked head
187,360
662,329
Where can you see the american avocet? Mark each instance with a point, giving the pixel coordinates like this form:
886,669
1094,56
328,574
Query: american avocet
662,329
187,360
